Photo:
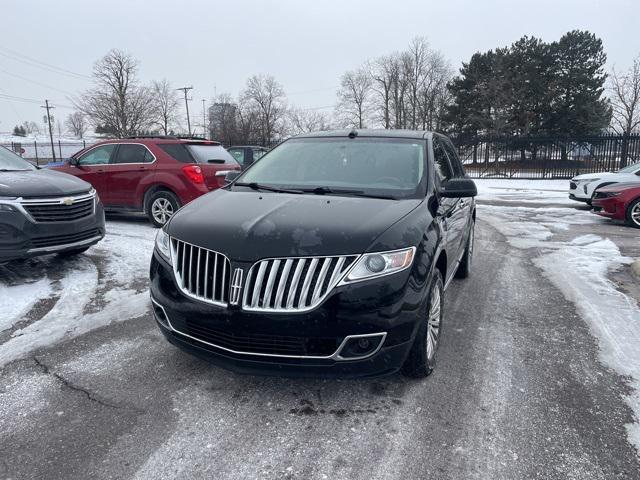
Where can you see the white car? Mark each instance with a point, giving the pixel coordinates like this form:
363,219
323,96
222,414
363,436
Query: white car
582,187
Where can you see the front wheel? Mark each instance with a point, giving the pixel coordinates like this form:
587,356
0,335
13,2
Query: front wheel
633,214
162,206
422,357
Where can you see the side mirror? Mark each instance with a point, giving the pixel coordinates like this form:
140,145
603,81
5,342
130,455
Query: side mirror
73,162
458,188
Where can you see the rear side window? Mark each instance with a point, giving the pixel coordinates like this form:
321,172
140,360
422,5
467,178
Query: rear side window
257,154
211,154
238,154
133,153
178,151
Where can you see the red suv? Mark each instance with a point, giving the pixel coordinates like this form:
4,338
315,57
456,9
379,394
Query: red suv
156,175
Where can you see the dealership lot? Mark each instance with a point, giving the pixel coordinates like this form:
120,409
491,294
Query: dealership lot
538,375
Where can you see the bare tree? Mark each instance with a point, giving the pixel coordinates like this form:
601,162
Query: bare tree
353,98
76,123
166,104
624,94
306,120
31,127
264,96
117,102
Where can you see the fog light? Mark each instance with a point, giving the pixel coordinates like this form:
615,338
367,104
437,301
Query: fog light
364,343
361,347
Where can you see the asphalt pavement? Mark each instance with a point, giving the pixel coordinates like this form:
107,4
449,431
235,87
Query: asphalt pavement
518,393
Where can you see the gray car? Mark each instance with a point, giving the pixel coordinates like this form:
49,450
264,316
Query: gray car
43,211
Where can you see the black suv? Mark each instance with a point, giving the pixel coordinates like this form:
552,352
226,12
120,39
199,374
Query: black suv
43,211
329,255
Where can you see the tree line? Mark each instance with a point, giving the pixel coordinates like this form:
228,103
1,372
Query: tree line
530,88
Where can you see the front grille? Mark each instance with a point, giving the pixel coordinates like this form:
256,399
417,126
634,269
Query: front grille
200,273
56,210
260,343
573,185
292,284
60,240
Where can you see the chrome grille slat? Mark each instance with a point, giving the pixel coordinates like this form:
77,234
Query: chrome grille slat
195,267
300,284
294,283
57,210
281,284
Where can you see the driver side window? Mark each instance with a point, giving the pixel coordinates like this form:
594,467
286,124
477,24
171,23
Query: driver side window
98,156
441,161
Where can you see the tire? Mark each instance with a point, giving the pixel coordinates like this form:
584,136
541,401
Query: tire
161,206
422,357
464,269
74,252
633,214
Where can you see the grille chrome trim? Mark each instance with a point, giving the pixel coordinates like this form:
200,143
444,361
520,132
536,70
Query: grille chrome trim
294,284
334,356
183,271
58,209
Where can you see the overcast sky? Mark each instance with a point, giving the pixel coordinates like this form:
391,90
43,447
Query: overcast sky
306,45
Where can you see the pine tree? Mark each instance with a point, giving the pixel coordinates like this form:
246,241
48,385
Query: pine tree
578,106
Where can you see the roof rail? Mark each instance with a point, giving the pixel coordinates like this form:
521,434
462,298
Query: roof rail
172,137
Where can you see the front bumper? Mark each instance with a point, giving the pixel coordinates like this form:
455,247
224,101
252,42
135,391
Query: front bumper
21,237
609,207
390,307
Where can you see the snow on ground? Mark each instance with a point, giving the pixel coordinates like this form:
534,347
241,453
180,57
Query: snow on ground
106,285
579,267
526,191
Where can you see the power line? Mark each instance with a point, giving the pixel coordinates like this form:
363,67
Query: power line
11,98
19,57
35,82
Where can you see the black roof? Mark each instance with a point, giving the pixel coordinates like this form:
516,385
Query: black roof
381,133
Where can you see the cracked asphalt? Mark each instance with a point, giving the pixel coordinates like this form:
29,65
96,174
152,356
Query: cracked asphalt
519,392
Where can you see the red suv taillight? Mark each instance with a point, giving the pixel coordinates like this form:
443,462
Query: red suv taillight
194,173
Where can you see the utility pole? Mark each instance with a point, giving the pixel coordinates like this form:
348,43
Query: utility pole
48,107
204,118
186,104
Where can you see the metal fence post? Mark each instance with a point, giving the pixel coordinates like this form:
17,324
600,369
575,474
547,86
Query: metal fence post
35,147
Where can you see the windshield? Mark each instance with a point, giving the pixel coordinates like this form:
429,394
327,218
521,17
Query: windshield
11,161
211,154
375,166
630,168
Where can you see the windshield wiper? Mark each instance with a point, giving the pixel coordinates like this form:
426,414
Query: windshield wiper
345,191
268,188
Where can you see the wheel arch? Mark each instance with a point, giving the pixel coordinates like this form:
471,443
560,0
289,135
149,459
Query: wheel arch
150,190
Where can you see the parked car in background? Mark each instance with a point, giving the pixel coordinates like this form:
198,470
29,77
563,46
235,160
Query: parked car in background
620,202
42,211
330,256
246,155
156,175
582,187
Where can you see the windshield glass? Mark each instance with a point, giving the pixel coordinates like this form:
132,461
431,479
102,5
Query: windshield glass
12,161
630,168
376,166
211,154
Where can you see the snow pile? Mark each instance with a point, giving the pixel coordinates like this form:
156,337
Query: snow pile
526,191
579,268
106,285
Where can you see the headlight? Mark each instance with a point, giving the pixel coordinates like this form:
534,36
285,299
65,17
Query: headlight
372,265
5,207
162,244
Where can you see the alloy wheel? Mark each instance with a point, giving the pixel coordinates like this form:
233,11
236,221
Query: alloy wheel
433,322
162,210
635,214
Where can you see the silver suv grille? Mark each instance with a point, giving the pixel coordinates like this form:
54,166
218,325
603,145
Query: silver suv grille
200,273
292,284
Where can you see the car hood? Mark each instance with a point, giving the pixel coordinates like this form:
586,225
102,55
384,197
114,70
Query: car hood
248,226
619,187
591,176
40,183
